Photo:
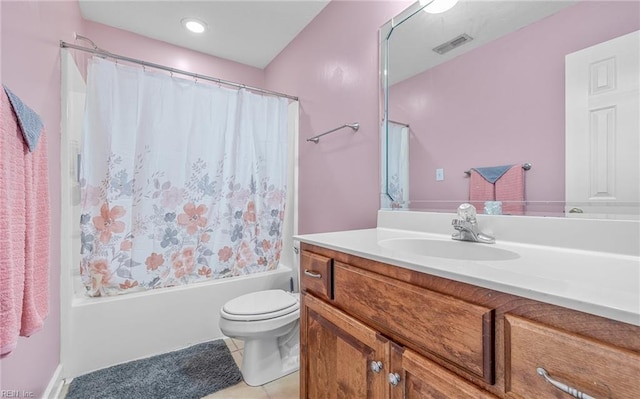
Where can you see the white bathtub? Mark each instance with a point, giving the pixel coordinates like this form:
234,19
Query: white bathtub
106,331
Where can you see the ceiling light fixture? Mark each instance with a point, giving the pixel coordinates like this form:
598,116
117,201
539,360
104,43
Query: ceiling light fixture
194,25
438,6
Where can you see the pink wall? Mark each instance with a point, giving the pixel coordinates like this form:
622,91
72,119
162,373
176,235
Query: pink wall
30,66
452,108
332,66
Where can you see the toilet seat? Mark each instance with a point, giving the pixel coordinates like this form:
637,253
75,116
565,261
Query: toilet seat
261,305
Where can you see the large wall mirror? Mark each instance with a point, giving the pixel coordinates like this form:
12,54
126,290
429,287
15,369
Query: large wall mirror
546,89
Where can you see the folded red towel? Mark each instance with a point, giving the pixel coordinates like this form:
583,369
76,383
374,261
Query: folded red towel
480,190
510,190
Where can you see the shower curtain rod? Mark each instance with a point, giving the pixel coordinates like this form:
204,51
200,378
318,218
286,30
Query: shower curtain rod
100,52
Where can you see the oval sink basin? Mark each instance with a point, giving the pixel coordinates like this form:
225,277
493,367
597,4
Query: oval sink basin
461,250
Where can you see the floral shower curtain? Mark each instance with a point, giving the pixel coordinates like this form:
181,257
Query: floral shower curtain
181,181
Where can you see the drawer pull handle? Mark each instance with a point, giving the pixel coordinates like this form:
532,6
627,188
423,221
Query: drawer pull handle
312,274
376,366
394,379
563,387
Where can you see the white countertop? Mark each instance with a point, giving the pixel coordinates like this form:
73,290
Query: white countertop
600,283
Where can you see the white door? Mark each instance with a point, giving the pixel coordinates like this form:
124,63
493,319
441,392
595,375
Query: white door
603,129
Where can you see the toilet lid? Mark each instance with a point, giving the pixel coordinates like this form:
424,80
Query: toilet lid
261,303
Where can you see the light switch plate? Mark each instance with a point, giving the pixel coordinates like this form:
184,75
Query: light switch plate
439,174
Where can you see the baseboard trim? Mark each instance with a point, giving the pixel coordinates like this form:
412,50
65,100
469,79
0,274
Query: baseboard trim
55,385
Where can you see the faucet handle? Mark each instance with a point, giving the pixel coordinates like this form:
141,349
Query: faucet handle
467,212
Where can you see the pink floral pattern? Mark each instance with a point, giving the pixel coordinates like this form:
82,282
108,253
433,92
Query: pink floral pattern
91,196
192,217
181,209
106,222
128,285
183,263
225,254
172,197
100,274
190,238
154,261
204,271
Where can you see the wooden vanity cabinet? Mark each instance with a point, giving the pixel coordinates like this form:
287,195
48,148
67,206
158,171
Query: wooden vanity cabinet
343,358
373,330
338,354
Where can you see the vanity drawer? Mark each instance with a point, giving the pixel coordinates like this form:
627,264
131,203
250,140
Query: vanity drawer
426,321
595,368
316,274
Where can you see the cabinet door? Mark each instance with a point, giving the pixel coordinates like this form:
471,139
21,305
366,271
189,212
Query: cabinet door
337,355
420,378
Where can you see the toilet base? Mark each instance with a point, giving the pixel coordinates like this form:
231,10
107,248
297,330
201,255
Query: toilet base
265,360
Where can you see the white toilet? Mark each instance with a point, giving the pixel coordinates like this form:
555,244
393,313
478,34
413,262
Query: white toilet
269,324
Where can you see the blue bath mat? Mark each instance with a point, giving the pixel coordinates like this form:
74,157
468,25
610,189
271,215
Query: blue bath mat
190,373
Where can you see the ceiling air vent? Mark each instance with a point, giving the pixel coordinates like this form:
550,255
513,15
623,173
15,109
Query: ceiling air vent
453,43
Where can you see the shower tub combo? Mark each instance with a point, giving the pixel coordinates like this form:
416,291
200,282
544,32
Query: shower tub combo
99,332
105,331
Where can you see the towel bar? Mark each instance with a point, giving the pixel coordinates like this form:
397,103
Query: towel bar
355,126
525,166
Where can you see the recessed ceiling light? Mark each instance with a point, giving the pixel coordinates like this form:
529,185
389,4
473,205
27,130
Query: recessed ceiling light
194,25
438,6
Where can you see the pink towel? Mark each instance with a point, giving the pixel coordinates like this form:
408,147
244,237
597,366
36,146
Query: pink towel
12,226
480,190
510,190
24,232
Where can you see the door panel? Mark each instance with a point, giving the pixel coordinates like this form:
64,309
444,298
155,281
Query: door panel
339,352
602,129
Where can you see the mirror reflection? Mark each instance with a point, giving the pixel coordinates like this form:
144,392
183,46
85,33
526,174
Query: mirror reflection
513,83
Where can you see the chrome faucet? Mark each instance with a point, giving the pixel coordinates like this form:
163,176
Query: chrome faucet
467,228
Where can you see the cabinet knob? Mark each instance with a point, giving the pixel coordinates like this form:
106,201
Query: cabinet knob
563,387
376,366
394,379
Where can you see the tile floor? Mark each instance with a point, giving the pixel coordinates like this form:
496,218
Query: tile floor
284,388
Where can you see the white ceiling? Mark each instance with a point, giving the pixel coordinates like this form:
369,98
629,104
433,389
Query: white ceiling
412,42
248,32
